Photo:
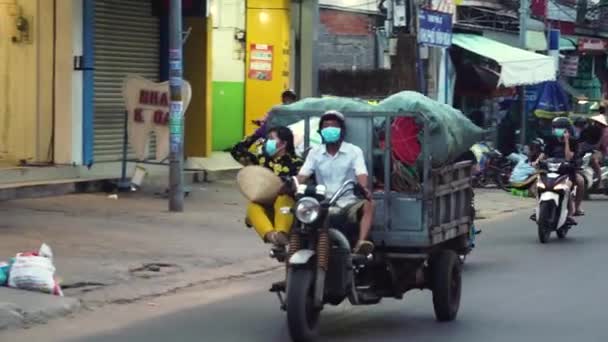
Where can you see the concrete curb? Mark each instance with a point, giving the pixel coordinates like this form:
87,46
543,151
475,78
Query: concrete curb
19,308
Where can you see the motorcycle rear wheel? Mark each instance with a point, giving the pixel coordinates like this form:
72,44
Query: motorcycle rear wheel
446,284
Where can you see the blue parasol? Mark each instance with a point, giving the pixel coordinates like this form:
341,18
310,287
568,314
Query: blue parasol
552,101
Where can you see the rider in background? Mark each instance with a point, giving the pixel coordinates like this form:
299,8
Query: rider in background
563,146
241,151
594,139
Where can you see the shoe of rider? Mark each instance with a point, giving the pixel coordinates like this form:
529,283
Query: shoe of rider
279,239
364,247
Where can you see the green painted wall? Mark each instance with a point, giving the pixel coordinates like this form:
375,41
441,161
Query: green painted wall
228,111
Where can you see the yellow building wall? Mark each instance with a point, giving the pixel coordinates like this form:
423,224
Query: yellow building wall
26,78
267,23
197,70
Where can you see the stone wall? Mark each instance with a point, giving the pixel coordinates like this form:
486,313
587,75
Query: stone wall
346,40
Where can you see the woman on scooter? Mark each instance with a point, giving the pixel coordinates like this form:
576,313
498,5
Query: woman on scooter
280,157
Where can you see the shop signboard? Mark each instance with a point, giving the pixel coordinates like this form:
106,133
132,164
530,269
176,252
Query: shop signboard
434,28
147,104
592,44
260,62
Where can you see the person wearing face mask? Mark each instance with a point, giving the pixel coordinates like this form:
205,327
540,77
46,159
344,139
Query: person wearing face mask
280,157
563,146
335,162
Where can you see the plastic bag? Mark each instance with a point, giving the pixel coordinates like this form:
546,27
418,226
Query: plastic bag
523,170
34,271
4,268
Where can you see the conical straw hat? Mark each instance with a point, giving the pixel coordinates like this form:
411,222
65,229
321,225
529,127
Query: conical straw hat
600,118
259,184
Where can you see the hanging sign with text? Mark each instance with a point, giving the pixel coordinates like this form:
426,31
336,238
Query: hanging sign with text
260,62
148,109
434,28
569,66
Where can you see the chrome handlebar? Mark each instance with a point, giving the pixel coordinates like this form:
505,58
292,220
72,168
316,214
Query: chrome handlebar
341,191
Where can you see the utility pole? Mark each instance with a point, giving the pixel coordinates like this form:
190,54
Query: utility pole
524,15
309,51
176,111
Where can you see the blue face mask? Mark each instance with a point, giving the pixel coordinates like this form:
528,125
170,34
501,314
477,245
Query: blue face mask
559,132
270,147
331,134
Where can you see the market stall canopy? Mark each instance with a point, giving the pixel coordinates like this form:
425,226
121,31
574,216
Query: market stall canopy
535,40
517,66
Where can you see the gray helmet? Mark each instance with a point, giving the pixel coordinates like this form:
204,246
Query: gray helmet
561,122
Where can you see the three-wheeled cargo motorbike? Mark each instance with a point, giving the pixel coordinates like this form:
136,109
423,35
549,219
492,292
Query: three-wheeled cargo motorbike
419,236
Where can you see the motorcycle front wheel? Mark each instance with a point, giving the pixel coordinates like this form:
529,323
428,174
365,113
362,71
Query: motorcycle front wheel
545,211
543,234
302,316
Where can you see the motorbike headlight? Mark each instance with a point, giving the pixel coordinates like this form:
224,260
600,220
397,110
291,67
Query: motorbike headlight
307,210
553,167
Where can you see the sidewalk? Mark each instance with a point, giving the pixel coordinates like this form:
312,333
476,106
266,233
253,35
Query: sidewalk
122,250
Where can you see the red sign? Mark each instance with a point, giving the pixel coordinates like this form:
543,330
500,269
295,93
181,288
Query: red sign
153,98
592,44
260,62
539,8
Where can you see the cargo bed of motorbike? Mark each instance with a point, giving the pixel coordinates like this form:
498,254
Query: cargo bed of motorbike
408,225
415,223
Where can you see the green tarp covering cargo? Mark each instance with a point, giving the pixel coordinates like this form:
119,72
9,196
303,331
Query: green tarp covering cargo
451,133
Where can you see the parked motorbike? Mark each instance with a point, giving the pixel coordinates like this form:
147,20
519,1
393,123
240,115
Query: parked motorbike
588,175
554,193
495,168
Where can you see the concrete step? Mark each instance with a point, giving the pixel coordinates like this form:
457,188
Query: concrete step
220,166
47,188
34,174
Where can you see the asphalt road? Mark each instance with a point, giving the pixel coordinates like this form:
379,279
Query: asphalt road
514,290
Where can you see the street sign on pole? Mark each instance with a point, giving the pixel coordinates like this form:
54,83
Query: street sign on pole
434,28
176,109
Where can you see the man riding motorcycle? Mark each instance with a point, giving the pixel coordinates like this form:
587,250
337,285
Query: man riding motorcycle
594,139
335,162
563,146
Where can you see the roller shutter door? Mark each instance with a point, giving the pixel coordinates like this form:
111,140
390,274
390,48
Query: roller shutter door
126,41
